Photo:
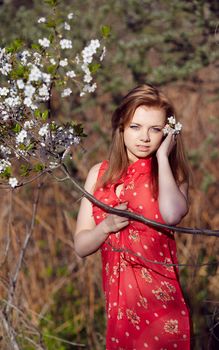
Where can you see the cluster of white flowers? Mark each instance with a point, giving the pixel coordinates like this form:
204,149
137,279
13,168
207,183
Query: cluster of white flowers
24,57
66,44
28,124
5,150
44,92
63,62
70,74
52,61
70,15
44,130
5,65
66,92
4,163
90,50
13,182
4,91
67,26
88,88
172,127
21,136
41,20
44,42
25,90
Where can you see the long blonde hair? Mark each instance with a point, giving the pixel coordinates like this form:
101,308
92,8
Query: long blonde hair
149,96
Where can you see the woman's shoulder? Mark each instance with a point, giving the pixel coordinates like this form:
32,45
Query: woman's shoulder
93,175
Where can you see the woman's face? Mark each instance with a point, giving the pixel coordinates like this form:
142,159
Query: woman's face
143,134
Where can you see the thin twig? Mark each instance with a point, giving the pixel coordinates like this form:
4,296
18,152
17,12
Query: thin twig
22,253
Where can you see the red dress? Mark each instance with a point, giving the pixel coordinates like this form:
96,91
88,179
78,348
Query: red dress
144,303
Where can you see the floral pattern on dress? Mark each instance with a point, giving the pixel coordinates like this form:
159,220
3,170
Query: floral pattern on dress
171,326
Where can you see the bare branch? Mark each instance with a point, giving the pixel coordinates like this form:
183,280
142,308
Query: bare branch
137,217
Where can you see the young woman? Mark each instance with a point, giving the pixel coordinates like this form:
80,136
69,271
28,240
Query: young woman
146,173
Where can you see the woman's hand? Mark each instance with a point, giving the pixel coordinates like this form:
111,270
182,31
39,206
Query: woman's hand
166,146
114,223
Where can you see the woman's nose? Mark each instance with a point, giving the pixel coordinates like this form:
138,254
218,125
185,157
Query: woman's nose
145,136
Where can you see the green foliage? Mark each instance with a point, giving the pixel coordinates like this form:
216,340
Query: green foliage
38,167
24,170
105,31
14,46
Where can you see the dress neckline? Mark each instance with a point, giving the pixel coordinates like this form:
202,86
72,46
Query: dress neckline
142,165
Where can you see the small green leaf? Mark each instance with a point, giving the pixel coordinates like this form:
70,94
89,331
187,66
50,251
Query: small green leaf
105,31
53,126
30,146
6,173
37,113
36,47
24,170
51,69
51,2
38,167
45,115
16,128
93,67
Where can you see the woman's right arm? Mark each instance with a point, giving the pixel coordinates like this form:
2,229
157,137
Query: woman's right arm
88,236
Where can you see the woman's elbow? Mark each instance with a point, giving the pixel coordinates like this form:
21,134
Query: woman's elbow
174,217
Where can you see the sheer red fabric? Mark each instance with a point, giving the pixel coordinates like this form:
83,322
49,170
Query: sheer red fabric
145,307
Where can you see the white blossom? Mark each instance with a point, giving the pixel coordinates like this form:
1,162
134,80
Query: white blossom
71,74
172,127
172,120
35,74
88,88
66,92
90,50
12,101
4,91
20,84
46,77
66,44
67,26
29,90
6,68
53,165
28,124
41,20
103,54
44,92
13,182
44,130
4,115
4,164
24,55
178,127
63,62
70,15
44,42
5,150
29,103
21,136
52,61
37,58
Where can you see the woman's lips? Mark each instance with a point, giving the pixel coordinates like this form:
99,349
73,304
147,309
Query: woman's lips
143,148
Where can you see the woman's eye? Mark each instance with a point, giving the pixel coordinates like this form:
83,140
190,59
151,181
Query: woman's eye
134,126
156,129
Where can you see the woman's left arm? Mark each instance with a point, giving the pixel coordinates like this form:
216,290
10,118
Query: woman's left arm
173,199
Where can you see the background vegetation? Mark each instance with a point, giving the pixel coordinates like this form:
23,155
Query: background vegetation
172,44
